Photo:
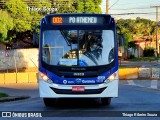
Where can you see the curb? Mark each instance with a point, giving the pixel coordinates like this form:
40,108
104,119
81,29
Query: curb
13,98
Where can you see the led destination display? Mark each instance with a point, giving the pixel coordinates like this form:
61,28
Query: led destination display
72,20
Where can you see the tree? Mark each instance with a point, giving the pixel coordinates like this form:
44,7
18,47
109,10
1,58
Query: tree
19,13
65,6
25,20
138,28
90,6
45,8
144,26
78,6
6,24
126,28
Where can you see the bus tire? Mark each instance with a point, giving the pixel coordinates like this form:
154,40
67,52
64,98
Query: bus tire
49,101
106,101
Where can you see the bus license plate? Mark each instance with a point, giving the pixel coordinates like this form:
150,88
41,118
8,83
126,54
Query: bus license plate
78,88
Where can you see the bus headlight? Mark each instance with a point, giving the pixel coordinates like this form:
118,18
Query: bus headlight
111,78
45,78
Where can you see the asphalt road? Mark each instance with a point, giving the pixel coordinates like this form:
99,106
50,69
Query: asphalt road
134,96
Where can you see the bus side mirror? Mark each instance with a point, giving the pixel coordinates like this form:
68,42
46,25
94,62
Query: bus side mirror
35,39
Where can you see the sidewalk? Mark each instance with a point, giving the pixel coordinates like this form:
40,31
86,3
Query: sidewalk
19,91
149,64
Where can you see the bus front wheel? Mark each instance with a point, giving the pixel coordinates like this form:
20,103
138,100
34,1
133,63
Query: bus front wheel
106,101
49,101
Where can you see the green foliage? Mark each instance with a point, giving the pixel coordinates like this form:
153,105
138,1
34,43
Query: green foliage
64,6
43,4
19,13
132,44
68,6
148,52
6,24
126,26
91,6
80,7
131,56
97,1
36,16
24,21
138,28
3,95
143,27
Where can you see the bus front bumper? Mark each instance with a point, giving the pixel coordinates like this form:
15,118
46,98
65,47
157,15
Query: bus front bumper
47,90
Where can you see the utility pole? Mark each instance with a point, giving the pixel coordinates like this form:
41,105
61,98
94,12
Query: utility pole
107,6
157,44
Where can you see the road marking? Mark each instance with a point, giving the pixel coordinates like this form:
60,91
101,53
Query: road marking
154,84
130,82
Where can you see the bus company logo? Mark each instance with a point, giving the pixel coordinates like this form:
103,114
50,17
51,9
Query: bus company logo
64,81
88,81
78,80
78,74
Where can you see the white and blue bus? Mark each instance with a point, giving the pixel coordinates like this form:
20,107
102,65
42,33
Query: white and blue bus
78,57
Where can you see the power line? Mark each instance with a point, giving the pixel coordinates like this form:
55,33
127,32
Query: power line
133,3
132,13
113,4
132,8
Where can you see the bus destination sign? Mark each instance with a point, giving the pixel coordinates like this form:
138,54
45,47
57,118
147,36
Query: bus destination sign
71,20
83,20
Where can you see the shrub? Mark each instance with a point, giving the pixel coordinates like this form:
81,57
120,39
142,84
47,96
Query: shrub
148,52
131,56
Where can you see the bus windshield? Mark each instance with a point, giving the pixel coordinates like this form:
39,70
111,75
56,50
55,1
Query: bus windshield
78,47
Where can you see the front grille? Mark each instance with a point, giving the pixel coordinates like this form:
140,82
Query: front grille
67,91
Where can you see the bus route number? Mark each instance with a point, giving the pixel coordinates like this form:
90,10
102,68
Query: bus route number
57,20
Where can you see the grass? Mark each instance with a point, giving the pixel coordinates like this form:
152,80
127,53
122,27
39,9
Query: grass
145,59
3,95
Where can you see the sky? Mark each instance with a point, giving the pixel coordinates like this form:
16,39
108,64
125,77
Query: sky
123,8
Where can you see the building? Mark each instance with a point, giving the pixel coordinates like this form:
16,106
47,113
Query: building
141,44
